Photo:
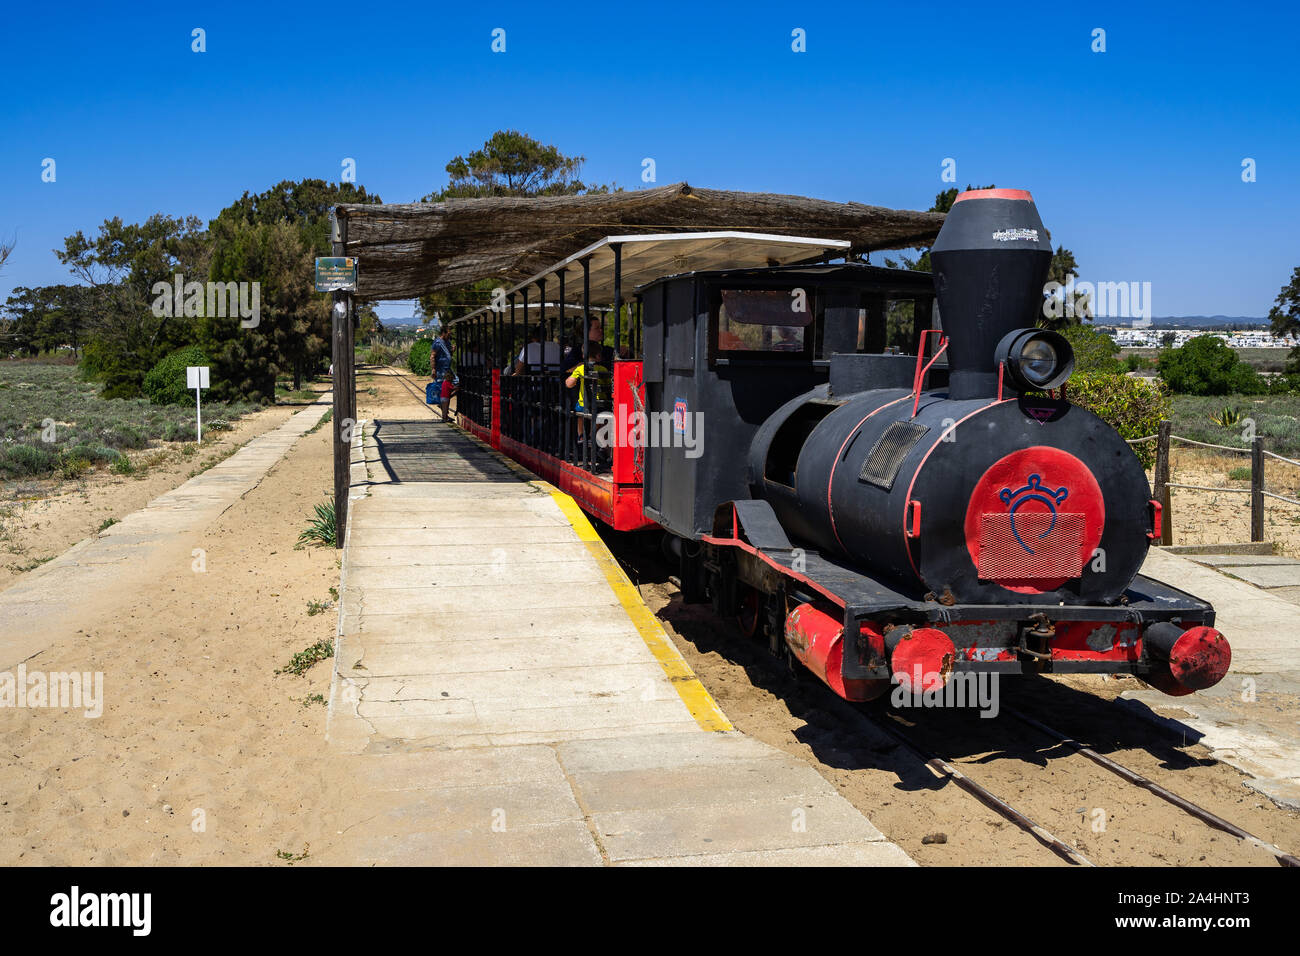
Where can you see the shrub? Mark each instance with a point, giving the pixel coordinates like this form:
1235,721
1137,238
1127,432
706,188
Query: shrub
381,354
1093,351
1135,362
417,360
1134,407
179,431
70,467
26,461
1207,366
165,383
95,454
124,436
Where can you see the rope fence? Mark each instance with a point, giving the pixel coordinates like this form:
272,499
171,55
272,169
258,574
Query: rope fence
1164,438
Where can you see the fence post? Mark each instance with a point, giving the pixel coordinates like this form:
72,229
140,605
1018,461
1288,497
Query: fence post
1256,488
1161,489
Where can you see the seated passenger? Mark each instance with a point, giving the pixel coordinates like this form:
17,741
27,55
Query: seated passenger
538,353
596,333
602,386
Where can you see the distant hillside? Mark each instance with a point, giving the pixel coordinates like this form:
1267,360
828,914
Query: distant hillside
1205,321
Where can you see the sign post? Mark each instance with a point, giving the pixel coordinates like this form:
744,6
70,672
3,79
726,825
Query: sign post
196,377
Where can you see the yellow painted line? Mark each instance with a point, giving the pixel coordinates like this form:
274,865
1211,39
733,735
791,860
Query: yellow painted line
698,701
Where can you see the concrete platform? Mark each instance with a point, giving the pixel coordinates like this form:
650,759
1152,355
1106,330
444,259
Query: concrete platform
504,697
1278,575
1251,719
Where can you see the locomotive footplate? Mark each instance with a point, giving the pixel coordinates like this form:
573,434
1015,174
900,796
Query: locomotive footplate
1007,638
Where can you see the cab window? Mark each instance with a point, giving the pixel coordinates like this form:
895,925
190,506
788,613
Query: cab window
754,320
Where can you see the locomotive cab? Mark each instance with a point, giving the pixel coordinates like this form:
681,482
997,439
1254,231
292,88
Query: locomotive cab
725,350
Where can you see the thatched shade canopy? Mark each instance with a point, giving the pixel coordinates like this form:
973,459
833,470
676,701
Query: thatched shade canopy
409,249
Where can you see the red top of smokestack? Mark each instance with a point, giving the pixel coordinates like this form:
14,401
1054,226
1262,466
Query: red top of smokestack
995,194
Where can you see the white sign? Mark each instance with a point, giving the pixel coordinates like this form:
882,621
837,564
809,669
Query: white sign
196,377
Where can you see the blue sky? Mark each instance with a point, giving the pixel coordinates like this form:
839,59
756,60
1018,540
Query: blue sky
1133,155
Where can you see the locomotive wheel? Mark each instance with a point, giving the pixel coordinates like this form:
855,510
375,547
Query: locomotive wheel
749,612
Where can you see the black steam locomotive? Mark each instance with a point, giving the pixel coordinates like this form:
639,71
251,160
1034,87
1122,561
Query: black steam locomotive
886,517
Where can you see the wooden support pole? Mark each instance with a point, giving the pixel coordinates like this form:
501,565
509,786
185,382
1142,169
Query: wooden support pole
1256,488
1161,489
342,367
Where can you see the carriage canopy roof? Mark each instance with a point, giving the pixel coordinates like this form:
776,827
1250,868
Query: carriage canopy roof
408,250
645,258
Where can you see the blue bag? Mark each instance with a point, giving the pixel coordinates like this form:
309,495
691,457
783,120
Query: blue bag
432,394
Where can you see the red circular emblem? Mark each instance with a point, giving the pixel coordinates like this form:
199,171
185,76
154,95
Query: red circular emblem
1034,520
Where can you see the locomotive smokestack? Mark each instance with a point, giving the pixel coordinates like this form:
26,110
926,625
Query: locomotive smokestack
990,262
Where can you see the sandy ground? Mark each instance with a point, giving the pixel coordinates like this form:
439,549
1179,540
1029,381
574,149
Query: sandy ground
1217,517
203,753
42,519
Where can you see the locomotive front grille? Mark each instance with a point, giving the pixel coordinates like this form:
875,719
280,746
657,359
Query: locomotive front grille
1031,546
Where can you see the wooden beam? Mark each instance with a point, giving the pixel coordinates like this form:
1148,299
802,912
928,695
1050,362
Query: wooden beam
342,374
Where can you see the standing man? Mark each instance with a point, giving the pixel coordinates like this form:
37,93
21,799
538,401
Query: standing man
440,358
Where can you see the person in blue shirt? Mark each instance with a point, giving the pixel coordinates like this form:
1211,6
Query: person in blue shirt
443,378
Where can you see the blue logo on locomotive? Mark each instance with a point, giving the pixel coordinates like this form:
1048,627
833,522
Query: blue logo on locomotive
1032,491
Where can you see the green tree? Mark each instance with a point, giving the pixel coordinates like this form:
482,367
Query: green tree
272,238
305,204
293,327
1072,308
121,264
1285,316
510,163
46,318
1206,365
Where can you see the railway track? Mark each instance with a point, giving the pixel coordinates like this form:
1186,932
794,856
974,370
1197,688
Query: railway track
1057,846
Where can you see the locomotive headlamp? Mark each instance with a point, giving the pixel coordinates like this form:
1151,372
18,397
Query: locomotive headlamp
1036,358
